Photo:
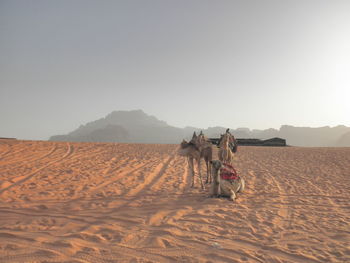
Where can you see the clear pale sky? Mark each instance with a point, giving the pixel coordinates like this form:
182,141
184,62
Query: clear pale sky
256,64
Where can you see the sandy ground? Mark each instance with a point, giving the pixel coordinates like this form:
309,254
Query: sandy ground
95,202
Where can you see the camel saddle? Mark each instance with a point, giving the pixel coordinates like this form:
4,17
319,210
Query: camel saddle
228,172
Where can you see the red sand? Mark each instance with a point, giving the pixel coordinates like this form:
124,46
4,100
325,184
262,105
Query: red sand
99,202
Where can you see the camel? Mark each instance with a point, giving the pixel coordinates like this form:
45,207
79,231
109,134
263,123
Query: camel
225,184
206,152
225,153
190,150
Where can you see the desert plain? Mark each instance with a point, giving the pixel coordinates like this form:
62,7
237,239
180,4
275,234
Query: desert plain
113,202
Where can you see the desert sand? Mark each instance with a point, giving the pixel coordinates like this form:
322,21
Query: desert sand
107,202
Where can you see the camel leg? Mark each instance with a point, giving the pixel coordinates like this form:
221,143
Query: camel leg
215,184
207,164
233,195
190,164
199,172
242,187
221,155
210,172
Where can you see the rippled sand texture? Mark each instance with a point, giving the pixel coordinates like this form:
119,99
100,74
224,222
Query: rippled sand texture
99,202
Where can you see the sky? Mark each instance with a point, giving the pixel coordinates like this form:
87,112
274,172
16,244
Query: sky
256,64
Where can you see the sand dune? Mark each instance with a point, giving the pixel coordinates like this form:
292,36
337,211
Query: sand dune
100,202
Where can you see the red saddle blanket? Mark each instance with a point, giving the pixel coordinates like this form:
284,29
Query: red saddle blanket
228,172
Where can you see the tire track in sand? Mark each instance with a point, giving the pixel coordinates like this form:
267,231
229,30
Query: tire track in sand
12,151
284,213
178,208
52,252
150,180
112,179
32,158
171,180
186,178
24,178
7,151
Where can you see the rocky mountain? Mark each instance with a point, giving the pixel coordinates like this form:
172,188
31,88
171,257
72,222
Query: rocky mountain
138,127
125,126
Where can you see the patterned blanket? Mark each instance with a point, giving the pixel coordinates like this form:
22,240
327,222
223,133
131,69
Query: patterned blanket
228,172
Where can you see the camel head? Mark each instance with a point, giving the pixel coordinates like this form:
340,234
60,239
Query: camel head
194,138
201,138
183,144
224,139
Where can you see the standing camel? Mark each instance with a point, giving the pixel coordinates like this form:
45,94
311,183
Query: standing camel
225,152
190,150
206,152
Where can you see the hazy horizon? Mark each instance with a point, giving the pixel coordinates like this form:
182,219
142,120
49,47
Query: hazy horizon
255,64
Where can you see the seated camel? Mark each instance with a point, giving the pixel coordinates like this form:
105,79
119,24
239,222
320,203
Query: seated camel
226,182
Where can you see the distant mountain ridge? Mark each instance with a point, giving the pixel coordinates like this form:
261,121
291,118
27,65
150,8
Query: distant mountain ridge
137,127
125,126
